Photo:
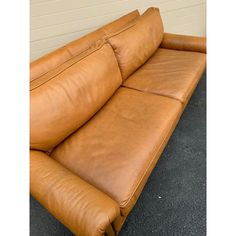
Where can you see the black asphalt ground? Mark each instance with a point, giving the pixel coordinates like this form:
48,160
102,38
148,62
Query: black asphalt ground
173,202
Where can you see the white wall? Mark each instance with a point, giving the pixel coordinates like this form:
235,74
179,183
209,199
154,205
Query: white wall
53,23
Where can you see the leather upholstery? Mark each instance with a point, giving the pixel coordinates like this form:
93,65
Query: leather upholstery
103,138
118,146
59,69
184,42
134,44
71,96
85,210
48,62
170,73
61,55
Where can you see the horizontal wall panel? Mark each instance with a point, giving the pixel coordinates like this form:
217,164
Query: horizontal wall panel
55,6
185,23
113,8
54,23
60,40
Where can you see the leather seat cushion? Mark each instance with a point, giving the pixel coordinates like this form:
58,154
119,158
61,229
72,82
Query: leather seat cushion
117,149
171,73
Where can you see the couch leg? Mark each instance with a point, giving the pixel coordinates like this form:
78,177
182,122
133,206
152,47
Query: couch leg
110,231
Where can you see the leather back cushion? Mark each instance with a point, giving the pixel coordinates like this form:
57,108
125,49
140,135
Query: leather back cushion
56,58
64,99
134,44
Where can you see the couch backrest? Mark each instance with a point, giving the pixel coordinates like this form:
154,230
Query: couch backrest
71,84
135,43
56,58
63,99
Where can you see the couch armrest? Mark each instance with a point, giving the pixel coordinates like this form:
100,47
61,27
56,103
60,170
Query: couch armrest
184,42
82,208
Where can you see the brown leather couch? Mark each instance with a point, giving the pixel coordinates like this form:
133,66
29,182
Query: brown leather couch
102,110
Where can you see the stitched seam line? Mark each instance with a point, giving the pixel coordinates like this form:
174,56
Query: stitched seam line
120,31
71,56
50,78
55,67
